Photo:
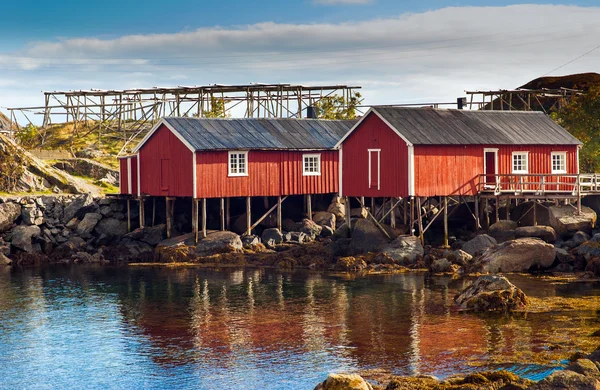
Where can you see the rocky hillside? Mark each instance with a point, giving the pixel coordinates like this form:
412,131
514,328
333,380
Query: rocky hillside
4,123
20,171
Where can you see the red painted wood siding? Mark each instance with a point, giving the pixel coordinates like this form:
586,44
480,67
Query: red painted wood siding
373,133
123,176
134,175
164,150
453,170
270,173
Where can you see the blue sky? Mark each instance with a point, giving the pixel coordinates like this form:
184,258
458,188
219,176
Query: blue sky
399,51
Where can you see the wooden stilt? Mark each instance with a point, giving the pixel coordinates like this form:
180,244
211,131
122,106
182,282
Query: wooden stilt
279,219
446,222
153,211
477,226
128,215
412,215
203,217
487,215
348,220
142,213
195,219
404,210
309,206
222,213
507,208
534,212
168,216
392,215
420,220
497,209
266,202
248,217
372,205
228,213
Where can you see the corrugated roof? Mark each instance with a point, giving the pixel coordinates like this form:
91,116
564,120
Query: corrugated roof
427,126
282,133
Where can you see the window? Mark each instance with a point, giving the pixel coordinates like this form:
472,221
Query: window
520,162
311,164
559,162
238,163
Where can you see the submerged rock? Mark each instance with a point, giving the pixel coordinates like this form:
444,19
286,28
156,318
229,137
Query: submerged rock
518,256
344,382
350,264
491,293
479,244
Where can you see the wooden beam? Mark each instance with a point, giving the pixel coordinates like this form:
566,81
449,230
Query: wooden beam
420,221
168,216
393,214
203,217
389,211
279,213
477,215
277,206
128,215
222,213
248,217
348,220
412,215
153,210
309,206
142,213
375,220
195,219
446,222
535,213
228,213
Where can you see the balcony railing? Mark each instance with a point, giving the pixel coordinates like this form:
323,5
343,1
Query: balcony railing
540,184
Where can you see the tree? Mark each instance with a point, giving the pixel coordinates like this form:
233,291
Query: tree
338,107
581,117
217,109
28,136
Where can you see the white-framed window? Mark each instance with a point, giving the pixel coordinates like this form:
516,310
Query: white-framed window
520,162
311,165
238,164
559,162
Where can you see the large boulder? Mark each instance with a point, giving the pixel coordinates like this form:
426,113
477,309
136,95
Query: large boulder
366,237
271,237
21,237
404,250
590,248
503,230
89,222
4,261
9,212
325,218
518,256
491,293
219,242
129,251
151,235
338,208
567,379
479,244
585,367
360,212
545,233
308,227
592,201
111,227
31,215
566,222
73,208
344,382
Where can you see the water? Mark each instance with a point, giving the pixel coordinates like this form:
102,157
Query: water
185,328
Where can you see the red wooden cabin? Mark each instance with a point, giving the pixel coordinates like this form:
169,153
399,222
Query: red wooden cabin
220,158
424,152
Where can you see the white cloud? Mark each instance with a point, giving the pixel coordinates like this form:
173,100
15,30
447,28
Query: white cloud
430,56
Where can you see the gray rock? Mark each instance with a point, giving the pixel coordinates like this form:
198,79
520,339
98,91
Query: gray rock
338,208
565,221
271,237
21,237
219,242
579,238
325,218
106,211
71,210
344,382
249,241
89,222
4,261
119,216
111,227
585,367
545,233
566,379
9,212
503,230
441,265
72,224
491,293
459,257
308,227
518,256
563,256
359,213
327,231
151,235
117,207
31,215
288,225
563,267
479,244
366,237
404,250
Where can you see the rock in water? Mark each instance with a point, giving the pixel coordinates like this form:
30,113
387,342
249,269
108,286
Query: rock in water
344,382
479,244
219,242
21,236
9,212
491,293
567,380
350,264
518,256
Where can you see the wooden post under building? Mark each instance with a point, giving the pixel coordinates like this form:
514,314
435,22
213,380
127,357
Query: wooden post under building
248,217
203,217
446,222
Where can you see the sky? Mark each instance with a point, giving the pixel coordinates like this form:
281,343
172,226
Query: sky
399,51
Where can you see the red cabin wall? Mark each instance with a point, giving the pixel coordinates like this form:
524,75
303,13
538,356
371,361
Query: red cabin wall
454,170
166,166
270,173
134,175
123,176
373,133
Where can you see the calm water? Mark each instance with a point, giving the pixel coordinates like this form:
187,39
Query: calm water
254,329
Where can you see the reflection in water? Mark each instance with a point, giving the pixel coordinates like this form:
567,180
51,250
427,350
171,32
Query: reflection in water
164,328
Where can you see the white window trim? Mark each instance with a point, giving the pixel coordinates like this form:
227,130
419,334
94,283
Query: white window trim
512,162
311,155
229,173
564,156
378,151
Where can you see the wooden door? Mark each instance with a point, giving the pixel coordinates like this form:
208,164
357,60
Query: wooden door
490,168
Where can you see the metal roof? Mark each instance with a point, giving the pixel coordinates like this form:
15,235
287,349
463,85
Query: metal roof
428,126
248,133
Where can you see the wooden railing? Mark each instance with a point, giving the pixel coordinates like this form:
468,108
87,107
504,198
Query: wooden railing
540,184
